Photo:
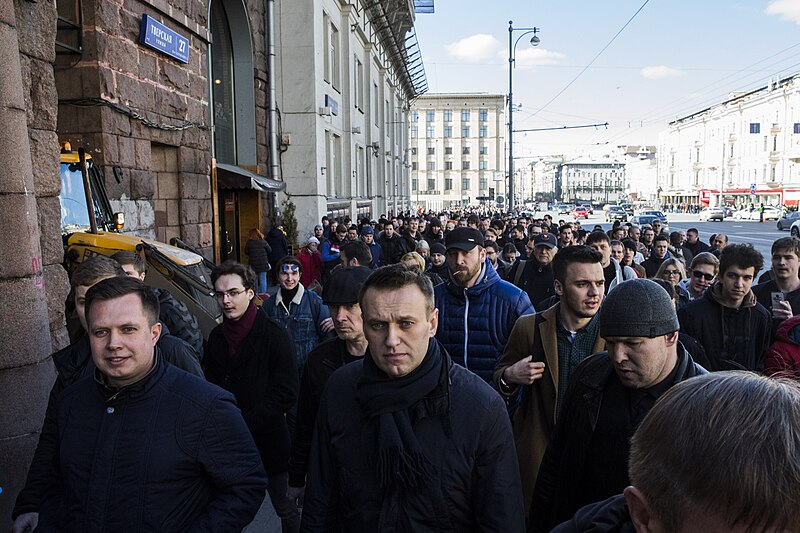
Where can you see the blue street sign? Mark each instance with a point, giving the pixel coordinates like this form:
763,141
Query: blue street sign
423,6
163,39
752,188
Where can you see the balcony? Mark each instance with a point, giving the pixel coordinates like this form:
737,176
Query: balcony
774,156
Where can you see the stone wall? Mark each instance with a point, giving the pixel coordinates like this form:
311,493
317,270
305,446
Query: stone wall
114,68
32,281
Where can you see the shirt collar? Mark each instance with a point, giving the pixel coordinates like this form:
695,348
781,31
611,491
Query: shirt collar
296,300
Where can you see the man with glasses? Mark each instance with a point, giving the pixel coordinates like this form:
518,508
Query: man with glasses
252,356
700,274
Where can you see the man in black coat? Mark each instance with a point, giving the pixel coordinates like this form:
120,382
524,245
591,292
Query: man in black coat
608,396
727,320
142,445
658,254
340,294
390,244
693,242
405,439
72,364
536,277
253,357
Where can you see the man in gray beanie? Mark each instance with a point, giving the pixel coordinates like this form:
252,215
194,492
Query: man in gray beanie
608,396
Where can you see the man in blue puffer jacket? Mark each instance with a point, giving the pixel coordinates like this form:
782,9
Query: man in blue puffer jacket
477,309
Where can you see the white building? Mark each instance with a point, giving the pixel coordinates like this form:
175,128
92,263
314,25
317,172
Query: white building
745,149
593,180
546,179
641,172
456,150
346,74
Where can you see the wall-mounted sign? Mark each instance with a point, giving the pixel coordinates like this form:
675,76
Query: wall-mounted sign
333,104
163,39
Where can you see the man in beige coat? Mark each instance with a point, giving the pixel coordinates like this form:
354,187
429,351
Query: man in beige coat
544,349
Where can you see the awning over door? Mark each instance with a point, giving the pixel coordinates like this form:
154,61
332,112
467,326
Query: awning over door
233,177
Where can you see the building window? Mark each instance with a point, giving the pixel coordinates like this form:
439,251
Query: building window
465,184
448,184
333,50
430,116
755,127
430,131
414,116
448,165
431,184
431,165
465,115
465,164
483,115
484,150
465,131
465,150
483,131
414,165
483,164
413,150
448,115
359,84
414,132
431,150
484,184
414,182
796,128
448,150
448,131
375,111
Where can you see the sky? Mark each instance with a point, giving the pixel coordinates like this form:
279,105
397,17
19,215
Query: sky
674,57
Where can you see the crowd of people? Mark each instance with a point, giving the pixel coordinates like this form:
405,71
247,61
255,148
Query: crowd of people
436,372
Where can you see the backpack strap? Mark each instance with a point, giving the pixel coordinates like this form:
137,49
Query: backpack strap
520,266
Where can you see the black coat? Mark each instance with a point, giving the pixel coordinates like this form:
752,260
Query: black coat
279,246
390,247
321,364
734,339
258,251
73,363
476,487
609,516
536,280
167,453
562,476
263,378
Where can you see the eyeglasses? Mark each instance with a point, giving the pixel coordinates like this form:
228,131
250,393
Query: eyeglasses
698,275
288,267
671,273
233,293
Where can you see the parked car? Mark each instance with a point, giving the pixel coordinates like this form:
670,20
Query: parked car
770,213
656,213
616,212
742,214
786,221
564,209
712,213
795,228
628,208
579,212
589,208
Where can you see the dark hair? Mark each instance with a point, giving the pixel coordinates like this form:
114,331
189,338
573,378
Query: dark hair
742,256
119,286
723,444
675,238
519,227
395,277
358,250
473,219
565,226
509,247
615,242
666,285
630,244
288,260
573,254
95,269
491,244
597,236
128,257
786,243
235,268
692,230
661,237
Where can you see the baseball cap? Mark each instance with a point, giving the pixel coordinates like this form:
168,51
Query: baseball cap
545,239
464,238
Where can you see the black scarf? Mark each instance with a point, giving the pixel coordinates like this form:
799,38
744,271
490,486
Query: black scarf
386,402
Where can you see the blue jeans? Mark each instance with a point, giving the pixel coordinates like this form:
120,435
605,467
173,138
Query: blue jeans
261,282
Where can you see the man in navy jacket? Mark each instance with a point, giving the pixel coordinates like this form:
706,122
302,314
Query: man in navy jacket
477,309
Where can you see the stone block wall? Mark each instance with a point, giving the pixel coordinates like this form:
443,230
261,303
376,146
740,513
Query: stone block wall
114,68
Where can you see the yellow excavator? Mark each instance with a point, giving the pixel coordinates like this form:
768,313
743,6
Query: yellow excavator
89,227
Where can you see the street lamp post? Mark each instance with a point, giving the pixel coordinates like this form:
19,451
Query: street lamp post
511,48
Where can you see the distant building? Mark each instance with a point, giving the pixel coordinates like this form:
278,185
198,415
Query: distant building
546,178
593,180
745,149
641,172
456,150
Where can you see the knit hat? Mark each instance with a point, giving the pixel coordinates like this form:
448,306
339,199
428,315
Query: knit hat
435,221
344,285
438,248
637,308
312,240
367,230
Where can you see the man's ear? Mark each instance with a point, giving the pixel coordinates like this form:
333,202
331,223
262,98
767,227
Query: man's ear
639,509
558,288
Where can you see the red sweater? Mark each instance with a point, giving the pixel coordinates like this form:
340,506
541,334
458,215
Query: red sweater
312,266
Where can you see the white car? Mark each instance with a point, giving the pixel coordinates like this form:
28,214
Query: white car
770,213
712,213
